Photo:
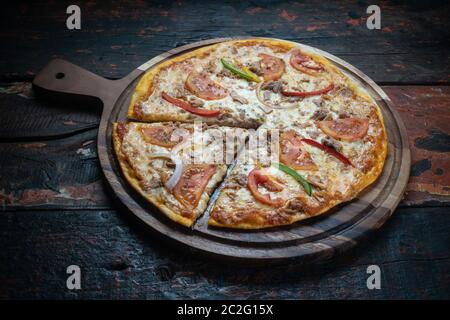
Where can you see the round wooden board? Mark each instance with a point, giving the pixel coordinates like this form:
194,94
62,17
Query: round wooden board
310,240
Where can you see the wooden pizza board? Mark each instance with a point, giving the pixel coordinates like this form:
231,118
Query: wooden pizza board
316,239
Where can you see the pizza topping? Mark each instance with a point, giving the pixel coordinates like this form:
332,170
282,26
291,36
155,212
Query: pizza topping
274,86
296,176
308,93
293,207
343,115
192,183
319,114
203,87
316,181
255,178
292,154
263,94
330,142
236,97
170,184
160,136
196,102
243,73
329,150
305,64
347,129
270,67
189,108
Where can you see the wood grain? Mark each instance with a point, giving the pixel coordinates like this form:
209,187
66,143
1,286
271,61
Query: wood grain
120,260
428,184
425,112
411,47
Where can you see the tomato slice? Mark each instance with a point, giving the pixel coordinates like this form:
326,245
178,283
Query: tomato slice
186,106
305,64
201,85
272,68
347,129
255,178
160,136
192,183
292,154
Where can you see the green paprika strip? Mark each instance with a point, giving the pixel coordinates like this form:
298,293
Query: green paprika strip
295,175
247,75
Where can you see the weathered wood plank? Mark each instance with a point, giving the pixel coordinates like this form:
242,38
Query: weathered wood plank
53,173
27,118
40,171
120,260
425,112
412,46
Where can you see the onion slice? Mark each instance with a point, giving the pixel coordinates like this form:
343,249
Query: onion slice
171,183
268,107
265,106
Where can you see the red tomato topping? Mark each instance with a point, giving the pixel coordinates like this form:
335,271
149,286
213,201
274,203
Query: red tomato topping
203,87
160,136
292,154
255,178
186,106
272,68
347,129
305,64
192,183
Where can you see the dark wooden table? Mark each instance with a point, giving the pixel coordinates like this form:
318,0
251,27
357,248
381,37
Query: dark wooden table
56,210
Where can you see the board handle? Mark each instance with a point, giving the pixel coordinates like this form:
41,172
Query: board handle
63,80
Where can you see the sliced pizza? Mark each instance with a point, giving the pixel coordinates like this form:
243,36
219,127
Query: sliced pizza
308,177
268,194
174,166
332,141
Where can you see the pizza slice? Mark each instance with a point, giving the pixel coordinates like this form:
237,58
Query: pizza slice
194,86
257,195
218,84
304,179
174,166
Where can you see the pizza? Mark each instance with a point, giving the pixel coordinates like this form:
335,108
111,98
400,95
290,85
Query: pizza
305,136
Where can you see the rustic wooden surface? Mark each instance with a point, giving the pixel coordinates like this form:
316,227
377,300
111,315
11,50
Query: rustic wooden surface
56,210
